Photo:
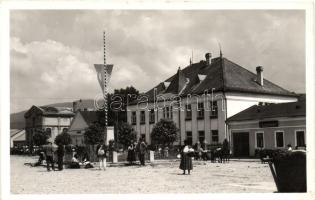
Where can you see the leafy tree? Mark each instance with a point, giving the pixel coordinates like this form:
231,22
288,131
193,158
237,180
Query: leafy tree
120,99
94,134
126,134
40,137
164,133
63,139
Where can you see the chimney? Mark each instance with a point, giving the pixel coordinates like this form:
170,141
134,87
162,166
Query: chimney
208,58
74,106
260,77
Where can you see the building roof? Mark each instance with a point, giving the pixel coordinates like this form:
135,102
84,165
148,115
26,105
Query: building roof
17,134
259,112
50,111
91,117
221,75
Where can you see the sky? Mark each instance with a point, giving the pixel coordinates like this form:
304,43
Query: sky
53,52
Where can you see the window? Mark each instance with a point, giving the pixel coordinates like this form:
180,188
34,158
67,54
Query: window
201,112
214,109
188,111
260,140
201,136
48,132
152,116
279,135
300,138
133,118
78,132
167,112
64,130
142,117
189,137
215,136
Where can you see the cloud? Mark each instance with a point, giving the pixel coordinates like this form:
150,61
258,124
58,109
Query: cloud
53,51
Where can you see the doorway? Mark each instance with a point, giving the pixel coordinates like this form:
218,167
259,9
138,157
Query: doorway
241,144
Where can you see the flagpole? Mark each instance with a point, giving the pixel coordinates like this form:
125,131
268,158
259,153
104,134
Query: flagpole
105,87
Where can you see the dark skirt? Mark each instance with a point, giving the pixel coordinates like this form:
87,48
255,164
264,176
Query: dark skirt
131,156
185,162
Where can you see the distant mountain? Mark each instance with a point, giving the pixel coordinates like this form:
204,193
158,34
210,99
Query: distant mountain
18,122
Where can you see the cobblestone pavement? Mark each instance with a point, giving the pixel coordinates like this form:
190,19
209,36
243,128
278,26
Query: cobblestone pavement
162,177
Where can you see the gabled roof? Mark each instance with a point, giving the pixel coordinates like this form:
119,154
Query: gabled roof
221,75
260,112
91,117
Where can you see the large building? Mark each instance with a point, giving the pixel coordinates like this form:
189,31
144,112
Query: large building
208,93
270,126
53,120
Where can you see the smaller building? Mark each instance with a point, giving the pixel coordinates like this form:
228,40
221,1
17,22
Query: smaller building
53,120
268,126
17,138
81,121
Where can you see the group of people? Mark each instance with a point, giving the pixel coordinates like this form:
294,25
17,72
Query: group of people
134,149
47,153
139,148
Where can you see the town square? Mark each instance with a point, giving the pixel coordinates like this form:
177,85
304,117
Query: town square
158,101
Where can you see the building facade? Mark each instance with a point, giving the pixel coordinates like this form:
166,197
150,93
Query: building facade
53,120
273,126
200,97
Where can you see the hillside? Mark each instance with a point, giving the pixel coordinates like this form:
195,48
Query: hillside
17,119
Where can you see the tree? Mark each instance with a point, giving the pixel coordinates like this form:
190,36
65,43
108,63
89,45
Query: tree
164,133
120,99
63,139
126,134
94,134
40,137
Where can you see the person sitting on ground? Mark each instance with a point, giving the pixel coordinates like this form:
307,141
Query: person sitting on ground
74,164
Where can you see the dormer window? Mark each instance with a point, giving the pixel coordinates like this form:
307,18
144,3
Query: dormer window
201,77
166,84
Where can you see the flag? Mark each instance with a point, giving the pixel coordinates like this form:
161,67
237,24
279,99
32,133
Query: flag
100,74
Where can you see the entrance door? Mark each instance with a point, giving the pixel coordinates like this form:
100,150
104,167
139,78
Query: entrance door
241,144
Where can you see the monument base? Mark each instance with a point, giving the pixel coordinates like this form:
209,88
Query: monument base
110,134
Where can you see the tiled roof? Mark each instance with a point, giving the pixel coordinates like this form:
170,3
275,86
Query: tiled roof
259,112
221,75
91,117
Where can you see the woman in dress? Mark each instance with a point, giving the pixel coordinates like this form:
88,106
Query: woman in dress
131,154
101,151
185,159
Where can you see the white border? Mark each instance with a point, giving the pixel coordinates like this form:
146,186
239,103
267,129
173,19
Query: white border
306,5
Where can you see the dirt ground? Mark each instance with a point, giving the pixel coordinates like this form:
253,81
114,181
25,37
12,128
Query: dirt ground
163,177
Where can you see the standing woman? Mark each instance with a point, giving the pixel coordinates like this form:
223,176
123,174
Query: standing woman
101,154
185,159
130,153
